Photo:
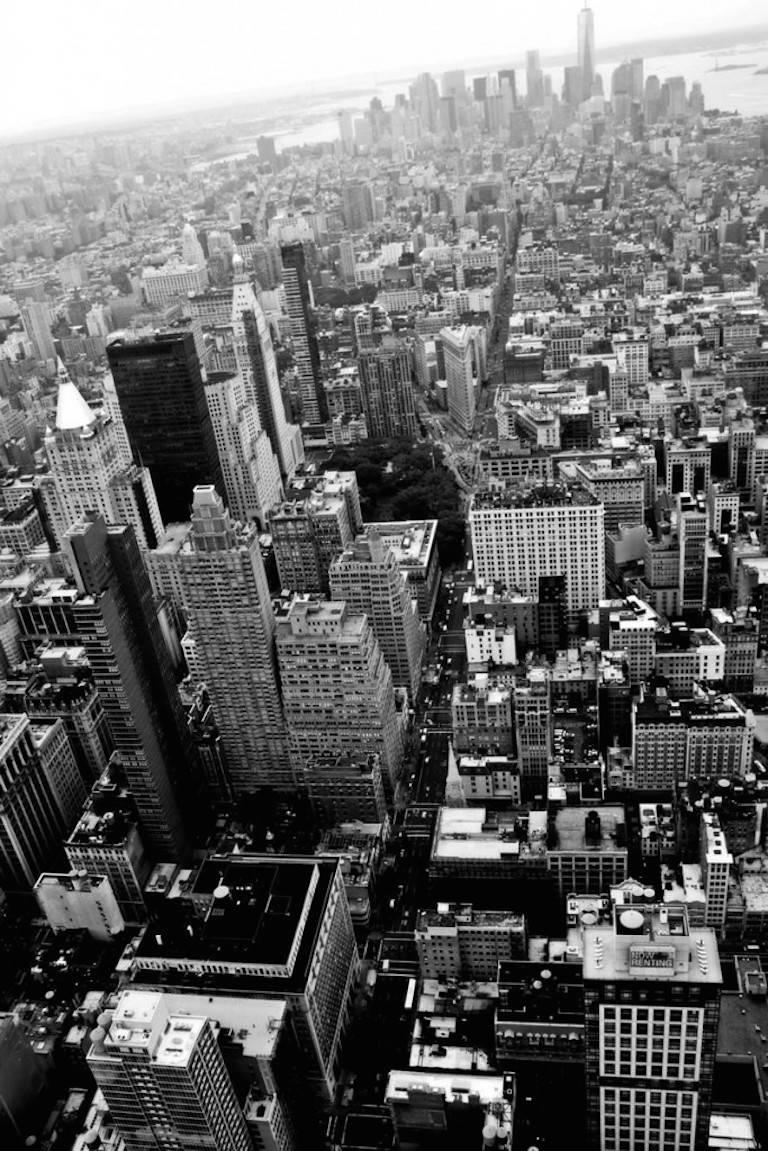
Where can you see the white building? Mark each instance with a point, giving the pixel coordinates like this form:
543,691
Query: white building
519,536
77,901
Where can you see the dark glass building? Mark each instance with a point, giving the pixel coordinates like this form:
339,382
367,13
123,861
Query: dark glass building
306,353
159,384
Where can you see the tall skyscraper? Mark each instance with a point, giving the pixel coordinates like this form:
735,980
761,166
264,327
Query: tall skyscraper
458,350
159,384
305,350
191,249
585,28
248,464
41,792
90,473
36,317
111,615
386,392
164,1078
425,97
255,357
652,1000
534,79
229,643
337,688
369,579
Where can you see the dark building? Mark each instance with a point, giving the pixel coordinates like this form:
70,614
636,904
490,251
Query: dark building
386,392
553,615
111,614
306,353
159,384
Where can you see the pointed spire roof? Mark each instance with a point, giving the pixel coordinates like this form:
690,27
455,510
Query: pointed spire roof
72,412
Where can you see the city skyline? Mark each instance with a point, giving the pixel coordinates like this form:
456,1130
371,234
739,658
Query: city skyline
121,80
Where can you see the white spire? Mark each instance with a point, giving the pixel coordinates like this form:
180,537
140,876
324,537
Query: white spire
72,412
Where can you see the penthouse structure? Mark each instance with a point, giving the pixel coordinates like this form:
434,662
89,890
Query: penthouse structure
652,990
520,535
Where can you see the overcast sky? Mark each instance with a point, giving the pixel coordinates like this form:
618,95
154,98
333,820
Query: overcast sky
88,59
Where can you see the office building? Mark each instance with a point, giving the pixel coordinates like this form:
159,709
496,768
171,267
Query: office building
651,989
306,353
338,694
386,393
457,942
79,902
674,740
458,351
111,614
160,387
249,467
106,840
368,578
481,717
716,861
172,281
520,535
229,643
587,848
693,535
308,534
585,25
89,472
255,358
533,728
36,317
163,1076
269,927
414,546
41,794
344,788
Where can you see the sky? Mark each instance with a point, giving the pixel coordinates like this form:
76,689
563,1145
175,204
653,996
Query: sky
88,60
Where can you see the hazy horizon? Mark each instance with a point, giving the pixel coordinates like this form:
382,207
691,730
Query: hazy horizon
158,62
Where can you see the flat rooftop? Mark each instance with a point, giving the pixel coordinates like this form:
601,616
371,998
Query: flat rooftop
410,541
465,833
455,1088
534,497
261,916
571,825
651,942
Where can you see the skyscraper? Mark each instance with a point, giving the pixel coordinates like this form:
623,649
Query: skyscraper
652,996
337,688
357,204
248,464
229,643
41,792
305,350
255,357
90,474
111,612
36,317
534,79
368,578
585,27
458,350
159,384
386,392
